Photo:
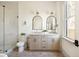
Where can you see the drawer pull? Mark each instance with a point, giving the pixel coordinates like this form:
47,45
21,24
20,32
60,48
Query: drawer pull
34,40
43,41
52,40
44,47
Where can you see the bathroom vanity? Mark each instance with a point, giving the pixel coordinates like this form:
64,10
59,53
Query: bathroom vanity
43,41
47,39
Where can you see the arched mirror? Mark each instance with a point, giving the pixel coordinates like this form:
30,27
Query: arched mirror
37,22
51,23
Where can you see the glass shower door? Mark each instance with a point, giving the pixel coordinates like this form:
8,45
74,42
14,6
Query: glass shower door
1,28
8,26
11,25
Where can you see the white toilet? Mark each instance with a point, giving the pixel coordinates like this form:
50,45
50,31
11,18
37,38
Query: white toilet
21,43
20,46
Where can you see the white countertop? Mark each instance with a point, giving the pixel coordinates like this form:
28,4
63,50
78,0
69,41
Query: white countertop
45,33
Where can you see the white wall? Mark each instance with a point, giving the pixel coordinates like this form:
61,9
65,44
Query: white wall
69,49
27,10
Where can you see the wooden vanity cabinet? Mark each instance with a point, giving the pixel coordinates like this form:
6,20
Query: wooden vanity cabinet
43,42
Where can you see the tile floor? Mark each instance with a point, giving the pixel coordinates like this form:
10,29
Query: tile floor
35,54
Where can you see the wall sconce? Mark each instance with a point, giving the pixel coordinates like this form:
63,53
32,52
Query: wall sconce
24,23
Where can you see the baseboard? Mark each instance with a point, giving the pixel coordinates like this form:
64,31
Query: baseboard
64,53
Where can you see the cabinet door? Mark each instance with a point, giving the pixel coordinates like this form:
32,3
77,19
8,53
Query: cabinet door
35,43
38,42
50,43
31,43
53,44
56,45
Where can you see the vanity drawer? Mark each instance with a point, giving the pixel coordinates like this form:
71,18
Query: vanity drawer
43,40
44,47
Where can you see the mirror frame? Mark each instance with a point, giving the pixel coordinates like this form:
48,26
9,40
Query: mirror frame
33,22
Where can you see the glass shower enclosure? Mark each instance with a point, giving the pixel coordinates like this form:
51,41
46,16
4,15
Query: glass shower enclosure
8,25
